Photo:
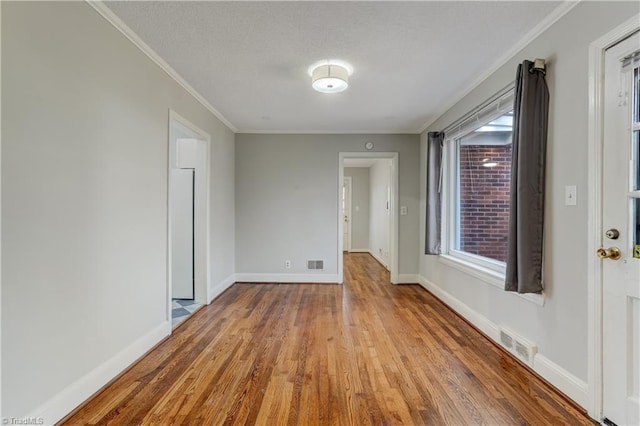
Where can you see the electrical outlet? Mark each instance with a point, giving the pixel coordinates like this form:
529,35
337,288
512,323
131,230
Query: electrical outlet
287,264
403,210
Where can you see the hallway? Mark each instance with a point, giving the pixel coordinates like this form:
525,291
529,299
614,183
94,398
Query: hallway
366,352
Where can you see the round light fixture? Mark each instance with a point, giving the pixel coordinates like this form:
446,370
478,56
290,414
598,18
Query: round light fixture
330,78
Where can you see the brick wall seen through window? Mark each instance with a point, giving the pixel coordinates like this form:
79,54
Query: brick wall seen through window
484,198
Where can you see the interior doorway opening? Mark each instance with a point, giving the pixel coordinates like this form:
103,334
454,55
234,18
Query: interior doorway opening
346,213
188,219
371,221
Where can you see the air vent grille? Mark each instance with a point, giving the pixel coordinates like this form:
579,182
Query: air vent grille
518,346
315,264
506,340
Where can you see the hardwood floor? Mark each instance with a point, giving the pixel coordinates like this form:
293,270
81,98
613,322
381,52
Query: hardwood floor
366,352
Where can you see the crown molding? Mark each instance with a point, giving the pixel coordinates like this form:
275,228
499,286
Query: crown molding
541,27
114,20
327,132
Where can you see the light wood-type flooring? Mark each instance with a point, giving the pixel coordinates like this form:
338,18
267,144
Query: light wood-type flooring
365,352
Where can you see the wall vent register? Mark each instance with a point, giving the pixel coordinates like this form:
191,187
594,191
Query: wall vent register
315,264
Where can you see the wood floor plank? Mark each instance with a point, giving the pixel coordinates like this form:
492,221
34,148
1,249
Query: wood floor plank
365,352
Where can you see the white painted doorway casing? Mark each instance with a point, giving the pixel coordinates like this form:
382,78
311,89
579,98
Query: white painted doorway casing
200,160
599,220
346,212
621,278
393,209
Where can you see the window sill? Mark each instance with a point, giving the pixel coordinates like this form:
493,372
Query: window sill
488,276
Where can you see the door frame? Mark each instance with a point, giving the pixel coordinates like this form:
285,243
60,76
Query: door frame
595,143
201,207
347,202
393,211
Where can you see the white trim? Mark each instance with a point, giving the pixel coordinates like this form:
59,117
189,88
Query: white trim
378,259
359,251
82,389
202,288
218,289
570,385
567,383
0,209
330,132
594,216
114,20
479,321
408,279
393,212
542,26
488,276
287,278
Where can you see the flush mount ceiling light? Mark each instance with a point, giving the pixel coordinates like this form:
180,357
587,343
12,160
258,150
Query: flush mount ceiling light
330,77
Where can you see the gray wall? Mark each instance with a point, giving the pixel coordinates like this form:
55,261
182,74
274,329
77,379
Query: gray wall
560,327
84,197
360,199
287,200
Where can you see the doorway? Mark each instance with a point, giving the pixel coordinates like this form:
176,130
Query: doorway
386,247
614,222
346,212
188,219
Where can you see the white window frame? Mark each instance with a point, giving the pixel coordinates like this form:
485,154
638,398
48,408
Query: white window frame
487,269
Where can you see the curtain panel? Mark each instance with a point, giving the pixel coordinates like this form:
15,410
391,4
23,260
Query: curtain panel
526,217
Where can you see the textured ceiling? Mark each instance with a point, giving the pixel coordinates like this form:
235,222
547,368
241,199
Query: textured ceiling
250,59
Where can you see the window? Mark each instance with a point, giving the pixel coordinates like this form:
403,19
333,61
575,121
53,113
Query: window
477,171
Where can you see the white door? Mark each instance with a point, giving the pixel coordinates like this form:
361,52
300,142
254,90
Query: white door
182,181
621,216
346,213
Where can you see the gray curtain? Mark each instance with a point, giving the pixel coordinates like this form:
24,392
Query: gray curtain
526,217
434,181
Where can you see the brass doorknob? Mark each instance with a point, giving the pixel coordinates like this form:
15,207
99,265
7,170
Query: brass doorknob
612,253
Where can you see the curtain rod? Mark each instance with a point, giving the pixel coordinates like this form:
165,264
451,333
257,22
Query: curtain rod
538,64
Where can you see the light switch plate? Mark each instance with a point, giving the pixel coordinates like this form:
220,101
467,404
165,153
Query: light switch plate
403,210
570,195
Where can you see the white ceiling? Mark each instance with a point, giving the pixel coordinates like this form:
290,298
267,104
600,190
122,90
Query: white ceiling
250,59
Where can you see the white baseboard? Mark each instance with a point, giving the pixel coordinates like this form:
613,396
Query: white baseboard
288,278
76,393
379,259
408,279
217,290
480,321
567,383
358,251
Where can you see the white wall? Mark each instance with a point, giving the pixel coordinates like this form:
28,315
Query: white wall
559,328
287,200
359,206
379,185
84,203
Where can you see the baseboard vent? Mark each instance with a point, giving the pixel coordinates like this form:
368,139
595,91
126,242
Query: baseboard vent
517,345
315,264
506,340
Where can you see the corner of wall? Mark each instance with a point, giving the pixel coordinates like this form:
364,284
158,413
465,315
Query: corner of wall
218,289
